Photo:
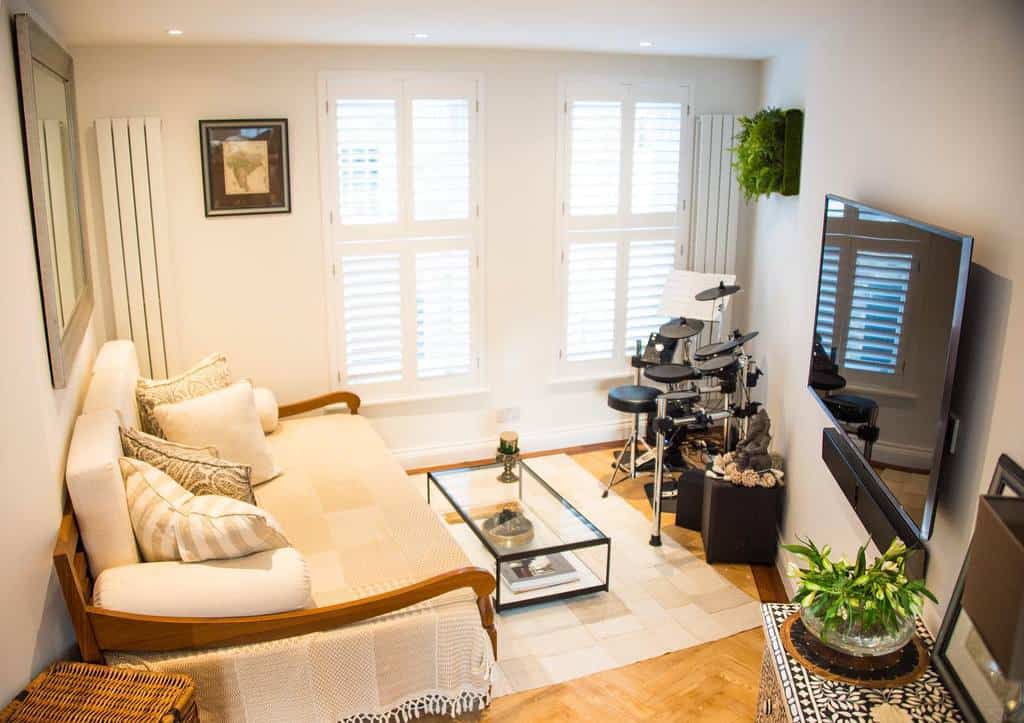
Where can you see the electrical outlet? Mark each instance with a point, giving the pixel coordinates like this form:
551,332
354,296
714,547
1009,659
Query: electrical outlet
508,414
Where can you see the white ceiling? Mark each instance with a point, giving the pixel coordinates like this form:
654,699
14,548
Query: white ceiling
736,28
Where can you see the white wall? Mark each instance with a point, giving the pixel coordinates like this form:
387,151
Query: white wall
254,287
34,626
916,108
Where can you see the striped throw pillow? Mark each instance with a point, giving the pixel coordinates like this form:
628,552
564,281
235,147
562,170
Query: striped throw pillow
171,523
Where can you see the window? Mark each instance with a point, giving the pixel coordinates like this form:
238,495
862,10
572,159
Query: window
827,294
881,280
863,303
625,158
401,168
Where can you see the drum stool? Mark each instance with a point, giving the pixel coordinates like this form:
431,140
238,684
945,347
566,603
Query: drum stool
636,400
860,413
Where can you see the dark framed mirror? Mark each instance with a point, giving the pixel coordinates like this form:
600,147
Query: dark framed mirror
964,662
46,83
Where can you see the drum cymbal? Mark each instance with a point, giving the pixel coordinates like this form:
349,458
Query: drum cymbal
670,373
744,338
723,347
717,365
712,350
717,292
681,328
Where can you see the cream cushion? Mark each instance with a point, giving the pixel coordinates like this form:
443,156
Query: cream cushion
114,388
347,505
226,419
266,407
118,354
173,524
208,375
266,582
97,492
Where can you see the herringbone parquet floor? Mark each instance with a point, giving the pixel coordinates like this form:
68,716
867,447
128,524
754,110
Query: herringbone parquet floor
714,682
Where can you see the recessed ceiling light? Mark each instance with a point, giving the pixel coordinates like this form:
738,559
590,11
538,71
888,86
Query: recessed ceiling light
646,44
420,36
175,31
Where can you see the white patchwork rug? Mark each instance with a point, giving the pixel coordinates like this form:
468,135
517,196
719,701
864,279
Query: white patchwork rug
659,599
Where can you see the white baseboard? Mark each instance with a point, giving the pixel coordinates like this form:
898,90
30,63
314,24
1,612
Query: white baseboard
529,441
902,455
782,560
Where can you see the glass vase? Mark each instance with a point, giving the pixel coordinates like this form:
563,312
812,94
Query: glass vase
853,638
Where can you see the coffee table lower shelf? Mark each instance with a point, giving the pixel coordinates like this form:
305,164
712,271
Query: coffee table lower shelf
588,582
558,529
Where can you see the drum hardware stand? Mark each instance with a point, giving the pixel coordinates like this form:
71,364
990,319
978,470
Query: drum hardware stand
718,312
664,425
635,460
748,375
632,444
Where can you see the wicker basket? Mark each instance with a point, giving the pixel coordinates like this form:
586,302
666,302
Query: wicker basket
85,693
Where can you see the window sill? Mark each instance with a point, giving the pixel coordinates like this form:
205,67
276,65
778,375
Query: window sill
873,391
414,398
591,377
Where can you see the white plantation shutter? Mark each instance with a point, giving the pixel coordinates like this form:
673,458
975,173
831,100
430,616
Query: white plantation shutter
657,134
827,294
443,322
881,282
373,317
591,315
401,163
649,265
367,152
596,132
624,150
440,146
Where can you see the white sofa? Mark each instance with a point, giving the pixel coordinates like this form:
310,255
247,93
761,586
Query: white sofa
374,613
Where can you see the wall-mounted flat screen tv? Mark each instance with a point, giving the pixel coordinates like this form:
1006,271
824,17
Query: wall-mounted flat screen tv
889,306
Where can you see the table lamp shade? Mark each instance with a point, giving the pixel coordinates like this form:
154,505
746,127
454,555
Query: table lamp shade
994,583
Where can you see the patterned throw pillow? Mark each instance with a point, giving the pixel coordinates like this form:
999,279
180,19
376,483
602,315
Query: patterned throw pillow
207,376
171,523
197,469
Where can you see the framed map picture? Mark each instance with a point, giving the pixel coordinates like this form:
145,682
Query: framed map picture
245,166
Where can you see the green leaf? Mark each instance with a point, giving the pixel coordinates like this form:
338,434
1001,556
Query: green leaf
861,561
758,153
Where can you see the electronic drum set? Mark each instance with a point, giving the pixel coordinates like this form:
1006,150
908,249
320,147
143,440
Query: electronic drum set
703,386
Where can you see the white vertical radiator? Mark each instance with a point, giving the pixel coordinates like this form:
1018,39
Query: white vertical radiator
716,200
131,175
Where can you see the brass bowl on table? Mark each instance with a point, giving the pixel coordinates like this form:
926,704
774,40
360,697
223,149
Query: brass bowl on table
508,528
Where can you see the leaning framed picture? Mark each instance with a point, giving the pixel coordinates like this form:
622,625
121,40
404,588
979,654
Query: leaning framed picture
960,656
245,166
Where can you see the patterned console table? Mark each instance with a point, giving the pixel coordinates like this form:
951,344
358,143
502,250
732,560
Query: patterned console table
790,693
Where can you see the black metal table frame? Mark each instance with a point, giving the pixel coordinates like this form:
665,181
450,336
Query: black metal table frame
501,557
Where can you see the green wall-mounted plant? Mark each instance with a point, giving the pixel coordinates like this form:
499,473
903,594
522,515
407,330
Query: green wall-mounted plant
767,152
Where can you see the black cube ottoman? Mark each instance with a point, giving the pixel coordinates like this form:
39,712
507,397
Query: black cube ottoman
740,524
690,499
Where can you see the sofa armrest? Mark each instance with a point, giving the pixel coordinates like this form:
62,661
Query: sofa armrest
350,399
266,582
130,632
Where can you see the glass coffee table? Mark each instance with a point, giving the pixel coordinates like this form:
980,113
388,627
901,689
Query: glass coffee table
554,554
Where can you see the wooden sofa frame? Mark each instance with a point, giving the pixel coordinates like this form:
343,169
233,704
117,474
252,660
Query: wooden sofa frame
99,629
